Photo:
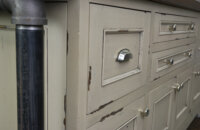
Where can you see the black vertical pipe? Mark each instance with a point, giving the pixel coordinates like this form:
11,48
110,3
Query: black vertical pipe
30,77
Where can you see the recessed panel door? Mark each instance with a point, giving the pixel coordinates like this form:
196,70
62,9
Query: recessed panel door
161,104
195,90
182,93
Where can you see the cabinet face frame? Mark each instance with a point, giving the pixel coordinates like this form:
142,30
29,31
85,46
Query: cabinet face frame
161,95
55,64
118,21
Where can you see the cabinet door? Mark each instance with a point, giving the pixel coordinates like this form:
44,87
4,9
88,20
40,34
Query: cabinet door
195,94
118,53
161,103
182,94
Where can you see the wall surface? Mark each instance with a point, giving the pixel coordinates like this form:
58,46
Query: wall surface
8,93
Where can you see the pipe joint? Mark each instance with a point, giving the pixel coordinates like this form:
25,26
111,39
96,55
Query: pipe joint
25,12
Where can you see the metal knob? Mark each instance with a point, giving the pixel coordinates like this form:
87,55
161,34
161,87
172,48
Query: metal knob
172,28
182,85
177,87
124,56
191,27
144,113
197,74
170,61
189,54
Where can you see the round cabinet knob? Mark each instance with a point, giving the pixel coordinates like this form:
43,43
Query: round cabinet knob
170,61
189,54
191,27
172,28
197,74
124,56
177,87
144,113
182,85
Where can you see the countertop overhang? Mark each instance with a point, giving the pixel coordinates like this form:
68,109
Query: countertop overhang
188,4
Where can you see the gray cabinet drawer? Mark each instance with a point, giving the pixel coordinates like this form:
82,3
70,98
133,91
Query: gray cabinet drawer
121,54
165,61
118,53
171,27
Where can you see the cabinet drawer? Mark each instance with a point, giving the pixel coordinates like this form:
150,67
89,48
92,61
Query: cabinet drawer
171,27
121,54
166,61
127,118
118,53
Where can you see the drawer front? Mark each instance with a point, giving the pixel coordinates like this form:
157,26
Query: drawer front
166,61
161,103
121,54
170,27
118,52
127,118
182,95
